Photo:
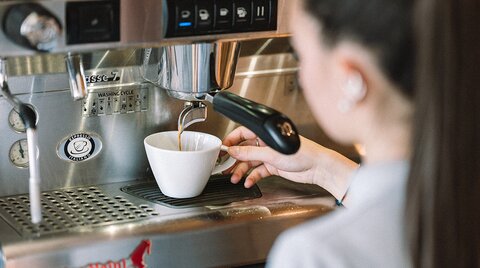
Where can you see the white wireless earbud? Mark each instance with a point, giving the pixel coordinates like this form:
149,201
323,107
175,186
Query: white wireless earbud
354,89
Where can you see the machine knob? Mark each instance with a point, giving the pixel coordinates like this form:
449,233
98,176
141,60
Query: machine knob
33,26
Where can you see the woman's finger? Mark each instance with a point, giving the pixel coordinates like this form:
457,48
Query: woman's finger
253,153
239,135
257,174
230,169
241,169
252,142
244,143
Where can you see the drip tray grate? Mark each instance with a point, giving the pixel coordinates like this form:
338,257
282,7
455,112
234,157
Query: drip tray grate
68,209
219,191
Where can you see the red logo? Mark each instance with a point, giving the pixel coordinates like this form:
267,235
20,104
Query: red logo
135,260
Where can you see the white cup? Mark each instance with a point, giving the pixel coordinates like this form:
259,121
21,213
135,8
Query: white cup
184,174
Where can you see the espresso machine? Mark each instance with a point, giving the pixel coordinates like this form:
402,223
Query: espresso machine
85,81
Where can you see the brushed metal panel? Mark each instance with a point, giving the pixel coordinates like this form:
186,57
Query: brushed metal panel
236,234
141,25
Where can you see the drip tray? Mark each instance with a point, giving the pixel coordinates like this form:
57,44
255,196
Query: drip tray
64,210
219,191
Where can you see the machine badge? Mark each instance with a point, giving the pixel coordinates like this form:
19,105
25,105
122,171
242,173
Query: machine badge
79,147
135,260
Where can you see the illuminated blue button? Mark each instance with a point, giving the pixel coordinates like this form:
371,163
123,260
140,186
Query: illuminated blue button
185,24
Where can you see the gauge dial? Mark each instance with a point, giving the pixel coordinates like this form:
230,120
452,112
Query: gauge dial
15,121
19,153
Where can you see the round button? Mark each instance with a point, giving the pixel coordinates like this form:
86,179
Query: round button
33,26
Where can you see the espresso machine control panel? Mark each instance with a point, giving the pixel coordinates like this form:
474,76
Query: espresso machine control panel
76,26
202,17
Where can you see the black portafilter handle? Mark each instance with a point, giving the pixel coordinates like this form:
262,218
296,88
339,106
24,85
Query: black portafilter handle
274,128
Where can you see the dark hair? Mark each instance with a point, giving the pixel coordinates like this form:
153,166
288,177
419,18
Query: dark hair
443,194
380,25
443,202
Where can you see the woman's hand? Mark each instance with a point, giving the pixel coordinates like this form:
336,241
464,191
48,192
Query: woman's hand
312,164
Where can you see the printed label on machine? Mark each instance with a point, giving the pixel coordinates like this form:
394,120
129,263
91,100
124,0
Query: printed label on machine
99,78
115,101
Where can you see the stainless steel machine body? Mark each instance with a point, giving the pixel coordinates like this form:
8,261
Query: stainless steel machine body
189,72
91,153
147,23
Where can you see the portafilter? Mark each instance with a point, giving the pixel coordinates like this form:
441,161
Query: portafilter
200,72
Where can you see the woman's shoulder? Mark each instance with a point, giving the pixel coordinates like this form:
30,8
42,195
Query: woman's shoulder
367,236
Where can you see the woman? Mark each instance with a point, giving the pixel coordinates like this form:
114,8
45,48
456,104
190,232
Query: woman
357,68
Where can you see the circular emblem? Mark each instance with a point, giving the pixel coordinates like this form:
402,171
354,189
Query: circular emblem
79,147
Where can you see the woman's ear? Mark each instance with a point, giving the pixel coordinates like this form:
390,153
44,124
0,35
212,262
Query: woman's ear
354,71
354,90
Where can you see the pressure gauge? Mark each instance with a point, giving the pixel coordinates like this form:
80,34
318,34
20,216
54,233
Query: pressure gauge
16,122
19,153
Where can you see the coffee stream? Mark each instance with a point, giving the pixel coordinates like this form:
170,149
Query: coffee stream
180,130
